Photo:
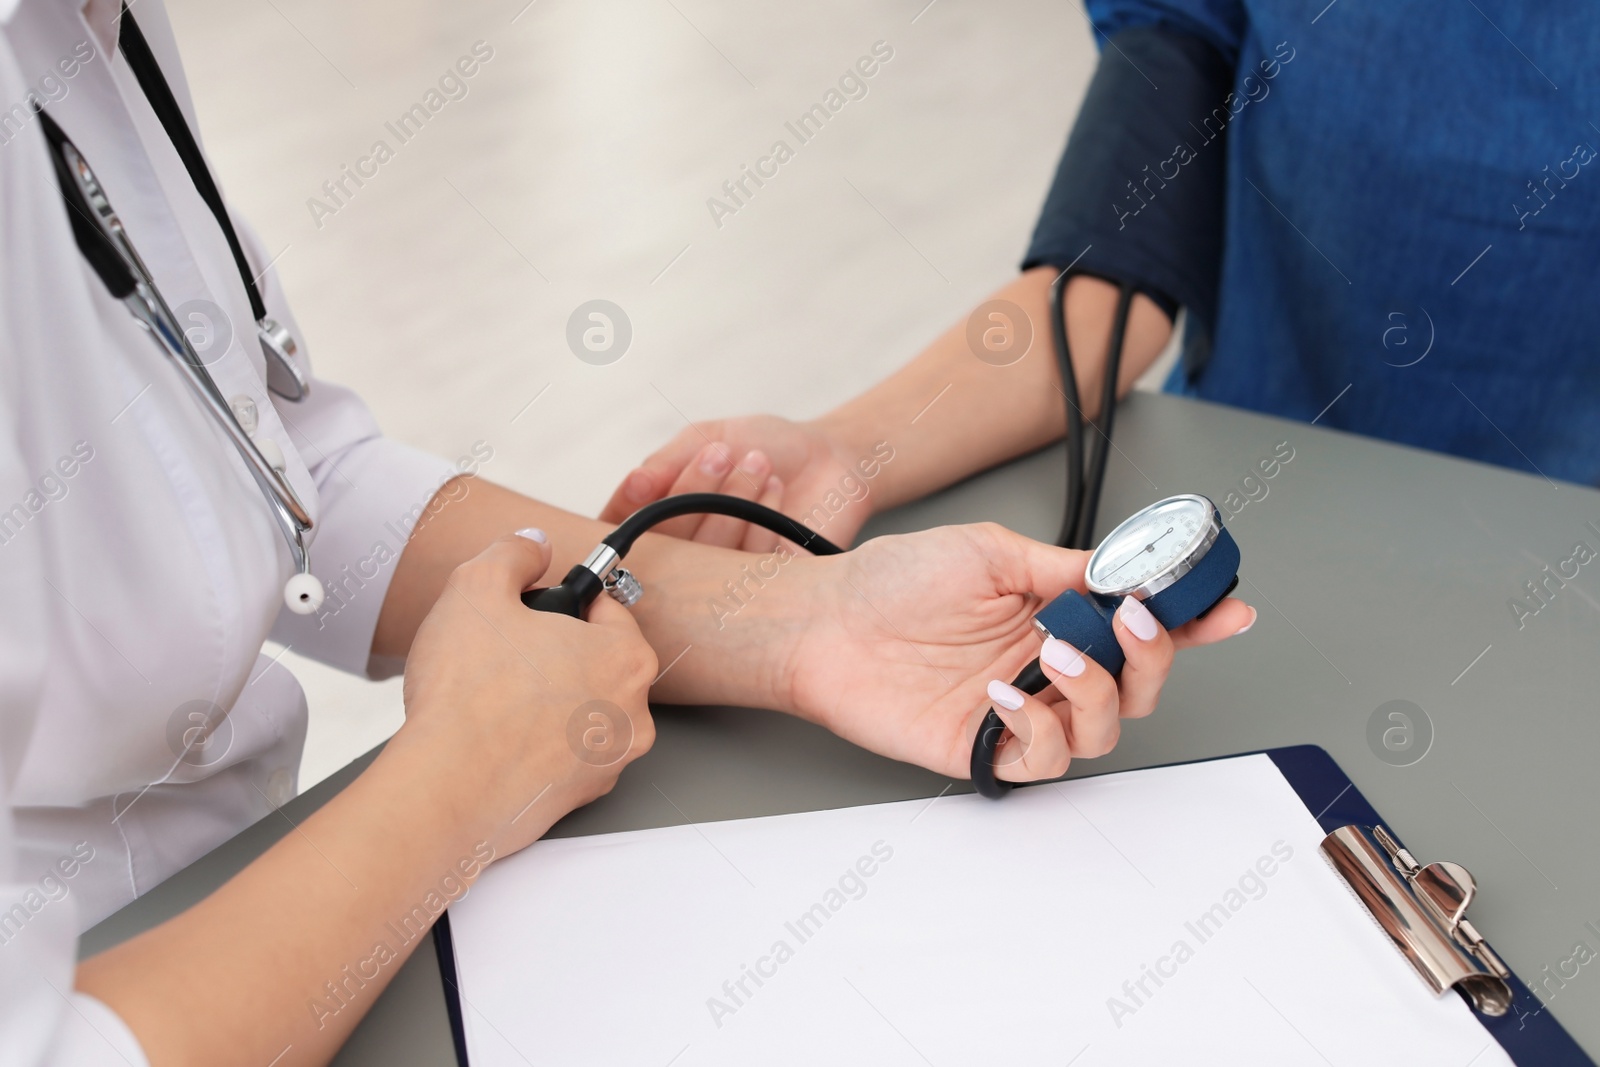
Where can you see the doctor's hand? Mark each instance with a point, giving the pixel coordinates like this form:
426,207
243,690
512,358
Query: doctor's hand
522,716
794,467
907,633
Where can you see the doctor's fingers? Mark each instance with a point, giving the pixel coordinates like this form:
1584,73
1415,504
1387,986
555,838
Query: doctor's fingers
1089,714
636,659
508,566
1035,745
621,666
1148,648
1228,619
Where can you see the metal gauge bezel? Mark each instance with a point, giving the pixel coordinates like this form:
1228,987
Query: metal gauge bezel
1199,544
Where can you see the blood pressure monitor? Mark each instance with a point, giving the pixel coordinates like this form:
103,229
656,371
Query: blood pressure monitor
1174,555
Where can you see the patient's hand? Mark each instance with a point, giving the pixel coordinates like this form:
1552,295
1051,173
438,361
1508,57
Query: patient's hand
791,466
906,634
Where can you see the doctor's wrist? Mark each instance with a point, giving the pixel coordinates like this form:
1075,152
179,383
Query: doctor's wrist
505,794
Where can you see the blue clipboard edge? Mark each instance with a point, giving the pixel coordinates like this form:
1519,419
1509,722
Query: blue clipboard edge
452,990
1531,1039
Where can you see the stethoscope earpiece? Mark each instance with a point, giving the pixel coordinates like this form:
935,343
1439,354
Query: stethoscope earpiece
303,594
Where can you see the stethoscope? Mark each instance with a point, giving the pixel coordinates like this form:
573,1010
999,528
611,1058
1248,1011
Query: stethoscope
105,243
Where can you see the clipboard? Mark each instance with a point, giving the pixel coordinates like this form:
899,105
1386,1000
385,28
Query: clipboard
1419,908
1389,891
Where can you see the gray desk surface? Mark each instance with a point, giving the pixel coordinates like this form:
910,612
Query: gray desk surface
1381,574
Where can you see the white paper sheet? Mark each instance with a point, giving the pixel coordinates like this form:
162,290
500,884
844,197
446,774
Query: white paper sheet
1064,925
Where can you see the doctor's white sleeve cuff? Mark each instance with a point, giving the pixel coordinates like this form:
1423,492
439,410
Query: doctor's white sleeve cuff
91,1033
371,495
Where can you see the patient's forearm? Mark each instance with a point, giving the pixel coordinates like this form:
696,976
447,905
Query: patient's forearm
949,414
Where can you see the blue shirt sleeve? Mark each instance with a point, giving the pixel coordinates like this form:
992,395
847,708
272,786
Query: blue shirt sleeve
1220,23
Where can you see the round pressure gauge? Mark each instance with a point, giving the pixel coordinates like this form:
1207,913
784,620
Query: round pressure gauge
1174,556
1152,549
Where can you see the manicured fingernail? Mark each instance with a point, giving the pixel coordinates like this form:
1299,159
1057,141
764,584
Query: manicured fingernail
533,533
1137,618
1247,625
638,486
1061,658
1006,696
714,461
755,463
774,485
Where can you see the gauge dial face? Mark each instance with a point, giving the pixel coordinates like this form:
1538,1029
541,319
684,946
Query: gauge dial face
1150,544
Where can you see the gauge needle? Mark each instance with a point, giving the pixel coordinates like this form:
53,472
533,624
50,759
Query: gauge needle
1151,547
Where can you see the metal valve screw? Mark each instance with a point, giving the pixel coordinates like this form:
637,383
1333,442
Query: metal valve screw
623,587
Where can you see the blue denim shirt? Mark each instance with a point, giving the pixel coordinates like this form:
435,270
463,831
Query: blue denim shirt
1412,228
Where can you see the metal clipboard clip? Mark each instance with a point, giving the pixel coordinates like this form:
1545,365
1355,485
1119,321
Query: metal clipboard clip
1423,909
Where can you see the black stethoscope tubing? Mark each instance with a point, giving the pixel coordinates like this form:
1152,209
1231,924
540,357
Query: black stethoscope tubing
284,376
1083,500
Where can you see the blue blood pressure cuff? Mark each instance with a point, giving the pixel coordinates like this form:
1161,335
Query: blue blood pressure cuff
1138,196
1083,620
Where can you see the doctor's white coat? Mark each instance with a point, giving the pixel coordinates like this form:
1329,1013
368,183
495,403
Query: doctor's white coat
140,569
